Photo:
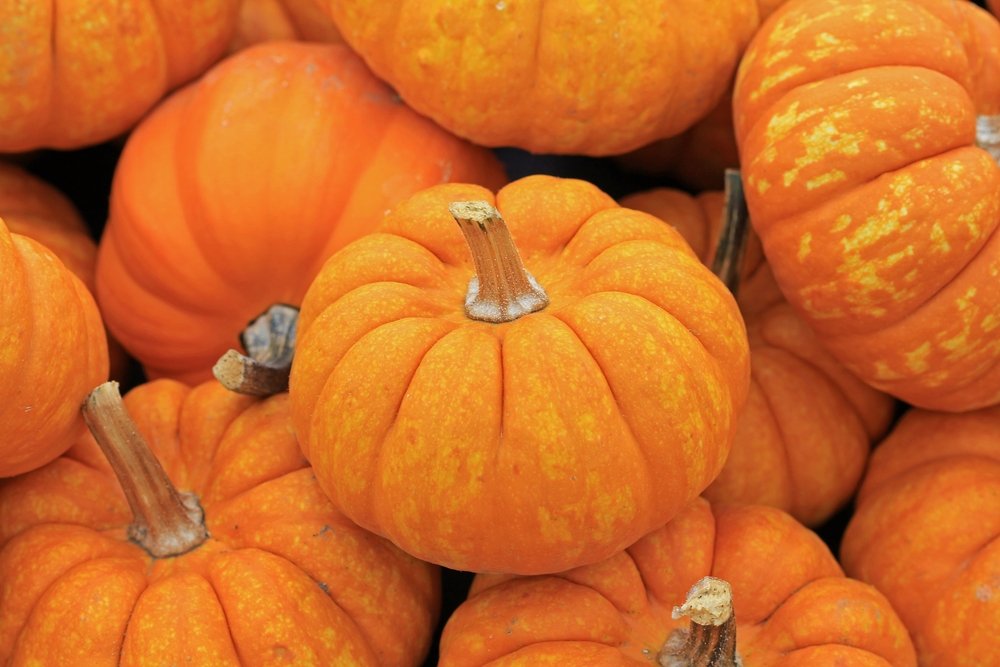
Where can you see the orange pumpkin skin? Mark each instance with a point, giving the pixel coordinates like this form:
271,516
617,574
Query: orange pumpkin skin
554,76
267,20
881,237
77,73
283,575
533,445
249,179
925,533
53,350
804,435
793,605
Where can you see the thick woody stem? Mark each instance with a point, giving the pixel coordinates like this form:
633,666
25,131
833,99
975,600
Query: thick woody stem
165,522
731,248
502,289
711,639
988,135
270,344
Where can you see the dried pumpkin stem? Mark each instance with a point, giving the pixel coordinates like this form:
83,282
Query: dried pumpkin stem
731,248
502,289
711,639
988,135
270,344
165,521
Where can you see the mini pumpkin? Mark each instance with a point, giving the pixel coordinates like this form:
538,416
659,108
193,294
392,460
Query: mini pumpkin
925,532
231,195
75,72
546,414
249,566
793,605
856,123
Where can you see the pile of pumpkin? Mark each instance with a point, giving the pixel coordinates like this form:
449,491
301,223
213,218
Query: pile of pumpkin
626,417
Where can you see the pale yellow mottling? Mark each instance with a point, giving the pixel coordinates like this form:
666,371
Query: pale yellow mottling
763,185
553,530
781,124
881,146
874,229
805,246
828,45
958,344
939,241
842,222
884,372
896,257
857,83
916,360
823,141
883,103
777,56
831,176
989,323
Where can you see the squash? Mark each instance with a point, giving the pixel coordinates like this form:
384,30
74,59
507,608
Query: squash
553,76
266,20
247,181
77,72
250,565
544,415
925,532
804,435
793,605
856,124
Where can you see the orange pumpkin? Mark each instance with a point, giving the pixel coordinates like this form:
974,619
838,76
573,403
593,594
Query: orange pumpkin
804,435
53,349
231,195
856,123
558,76
279,576
267,20
792,604
492,438
76,72
925,533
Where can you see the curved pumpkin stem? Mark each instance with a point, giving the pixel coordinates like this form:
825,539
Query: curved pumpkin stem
165,522
729,252
988,135
270,344
502,290
711,639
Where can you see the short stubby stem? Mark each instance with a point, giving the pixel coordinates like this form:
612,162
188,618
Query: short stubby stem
165,522
270,344
727,262
988,135
711,639
502,290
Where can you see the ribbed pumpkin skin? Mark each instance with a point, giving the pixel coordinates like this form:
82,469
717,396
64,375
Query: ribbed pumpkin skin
53,351
283,576
78,72
876,210
804,435
533,445
925,533
793,605
267,20
554,76
249,179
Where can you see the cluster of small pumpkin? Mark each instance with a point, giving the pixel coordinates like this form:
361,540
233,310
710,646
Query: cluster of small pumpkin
593,423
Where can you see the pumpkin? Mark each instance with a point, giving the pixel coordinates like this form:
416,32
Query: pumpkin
925,531
265,20
804,435
76,72
559,76
250,565
793,605
544,415
856,124
33,208
248,180
53,349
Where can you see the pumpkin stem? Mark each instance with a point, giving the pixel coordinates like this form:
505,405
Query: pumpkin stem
270,344
731,248
711,639
165,522
502,289
988,135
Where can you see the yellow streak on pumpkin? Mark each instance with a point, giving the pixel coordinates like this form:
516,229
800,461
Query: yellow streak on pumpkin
777,56
884,372
989,323
857,83
823,141
805,246
842,222
916,360
773,80
825,179
782,123
828,45
939,241
958,344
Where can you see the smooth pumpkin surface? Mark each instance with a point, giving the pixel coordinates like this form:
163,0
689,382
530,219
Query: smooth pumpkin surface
531,445
266,20
856,123
284,577
77,72
792,602
247,181
804,435
925,533
554,76
53,350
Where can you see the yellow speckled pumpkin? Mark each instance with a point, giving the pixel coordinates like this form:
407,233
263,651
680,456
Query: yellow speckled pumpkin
447,416
857,127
